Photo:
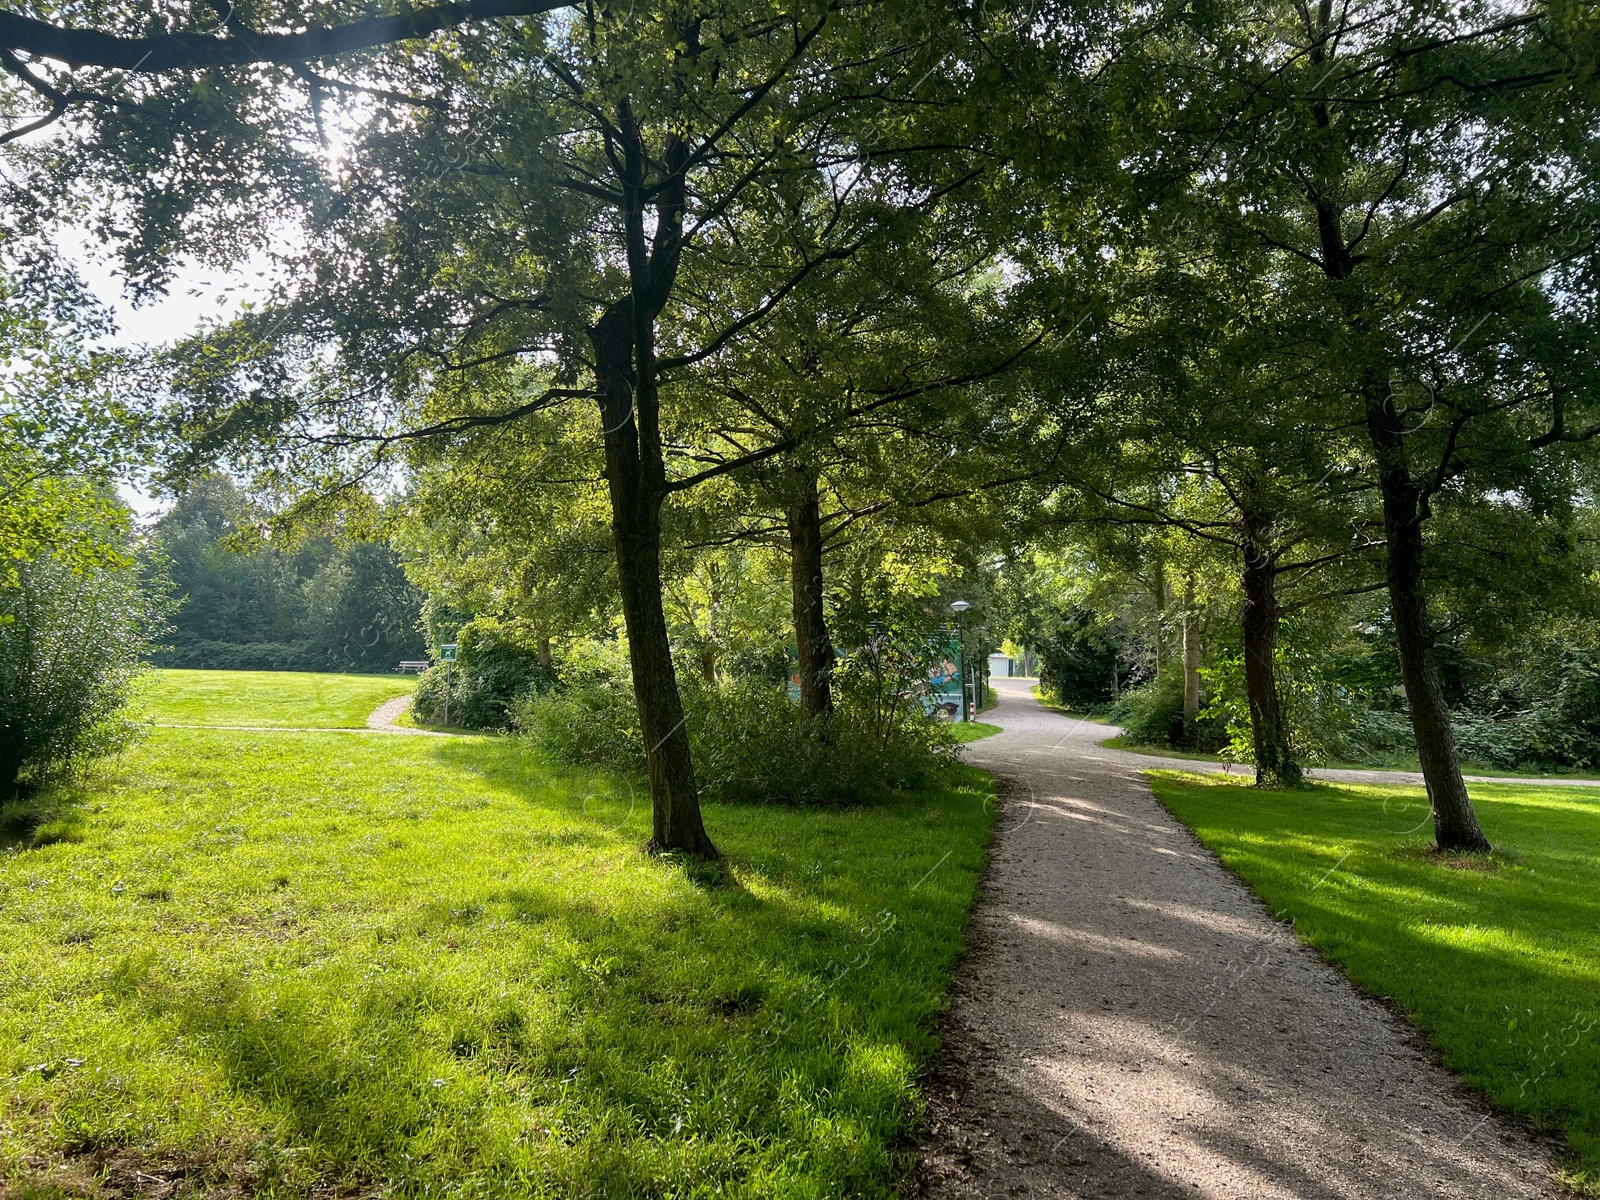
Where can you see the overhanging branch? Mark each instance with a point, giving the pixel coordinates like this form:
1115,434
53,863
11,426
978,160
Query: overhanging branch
79,47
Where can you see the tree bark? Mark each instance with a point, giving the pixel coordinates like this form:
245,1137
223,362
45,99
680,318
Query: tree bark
545,658
813,645
1158,592
1191,665
1275,764
636,481
1455,824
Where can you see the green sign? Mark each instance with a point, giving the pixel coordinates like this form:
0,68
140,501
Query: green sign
447,652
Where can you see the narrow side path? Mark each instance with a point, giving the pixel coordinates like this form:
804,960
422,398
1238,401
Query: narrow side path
386,714
1132,1022
380,720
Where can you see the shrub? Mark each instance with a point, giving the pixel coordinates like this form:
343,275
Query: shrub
589,718
750,741
1078,660
494,668
71,640
1152,715
186,650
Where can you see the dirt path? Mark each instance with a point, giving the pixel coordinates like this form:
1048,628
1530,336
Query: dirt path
386,714
1132,1023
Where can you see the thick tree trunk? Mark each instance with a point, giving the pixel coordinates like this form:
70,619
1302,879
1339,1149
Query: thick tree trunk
1191,666
1455,824
636,479
545,658
813,646
1275,765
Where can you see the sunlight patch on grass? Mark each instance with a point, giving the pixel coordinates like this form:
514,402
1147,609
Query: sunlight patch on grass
972,731
279,961
285,699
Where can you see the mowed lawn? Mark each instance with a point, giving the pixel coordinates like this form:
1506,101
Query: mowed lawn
283,699
358,964
1499,961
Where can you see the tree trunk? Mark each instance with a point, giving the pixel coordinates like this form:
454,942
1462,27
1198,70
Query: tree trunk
545,658
1455,824
1275,765
813,646
1158,592
636,480
1191,665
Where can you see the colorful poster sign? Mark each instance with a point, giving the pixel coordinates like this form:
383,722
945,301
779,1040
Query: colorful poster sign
944,684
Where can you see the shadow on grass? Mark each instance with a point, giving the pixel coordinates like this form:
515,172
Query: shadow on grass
464,967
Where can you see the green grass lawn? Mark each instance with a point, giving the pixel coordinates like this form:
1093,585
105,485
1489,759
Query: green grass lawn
971,731
274,962
1394,764
1498,960
276,698
1121,743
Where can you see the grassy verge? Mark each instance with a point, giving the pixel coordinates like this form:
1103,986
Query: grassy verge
1121,743
1043,698
277,962
272,698
1498,960
1398,764
971,731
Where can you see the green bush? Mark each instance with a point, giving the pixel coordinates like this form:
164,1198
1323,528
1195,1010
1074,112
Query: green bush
1542,712
1152,715
589,718
493,670
186,651
753,743
71,641
750,741
1078,659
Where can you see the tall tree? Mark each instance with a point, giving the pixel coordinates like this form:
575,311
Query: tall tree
615,156
1438,270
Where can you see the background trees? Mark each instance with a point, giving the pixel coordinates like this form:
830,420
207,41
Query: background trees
1430,270
317,605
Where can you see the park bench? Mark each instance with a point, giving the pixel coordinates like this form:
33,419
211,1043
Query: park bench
413,667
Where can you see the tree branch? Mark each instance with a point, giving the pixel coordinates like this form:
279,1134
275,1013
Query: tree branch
79,47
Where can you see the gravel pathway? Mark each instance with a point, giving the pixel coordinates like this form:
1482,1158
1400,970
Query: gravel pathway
386,714
1131,1022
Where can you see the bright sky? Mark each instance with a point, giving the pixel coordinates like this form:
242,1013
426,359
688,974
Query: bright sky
193,296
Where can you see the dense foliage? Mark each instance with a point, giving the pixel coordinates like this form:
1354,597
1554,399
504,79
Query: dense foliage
317,605
752,742
71,642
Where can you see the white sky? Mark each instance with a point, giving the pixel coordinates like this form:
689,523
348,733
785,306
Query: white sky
194,295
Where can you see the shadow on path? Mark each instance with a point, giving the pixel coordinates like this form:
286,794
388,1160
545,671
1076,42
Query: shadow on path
1132,1023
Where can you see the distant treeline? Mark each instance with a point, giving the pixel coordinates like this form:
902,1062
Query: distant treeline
315,606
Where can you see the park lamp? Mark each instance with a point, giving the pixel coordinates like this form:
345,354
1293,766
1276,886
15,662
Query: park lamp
960,606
